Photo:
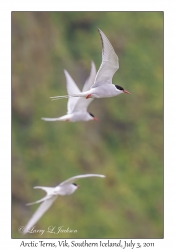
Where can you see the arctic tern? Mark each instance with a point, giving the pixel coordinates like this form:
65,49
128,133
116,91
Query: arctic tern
77,107
64,188
103,86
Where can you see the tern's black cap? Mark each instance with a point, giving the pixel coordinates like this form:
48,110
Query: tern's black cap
75,184
91,114
119,87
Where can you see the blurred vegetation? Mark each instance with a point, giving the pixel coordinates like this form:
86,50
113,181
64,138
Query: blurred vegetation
126,144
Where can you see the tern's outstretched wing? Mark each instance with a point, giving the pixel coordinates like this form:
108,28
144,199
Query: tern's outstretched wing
73,179
38,214
71,89
90,80
83,103
61,118
109,65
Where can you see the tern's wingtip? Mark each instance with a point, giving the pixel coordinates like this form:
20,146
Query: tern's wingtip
93,65
99,30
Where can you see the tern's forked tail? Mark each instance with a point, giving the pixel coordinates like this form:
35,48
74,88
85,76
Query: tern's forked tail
65,96
59,97
48,190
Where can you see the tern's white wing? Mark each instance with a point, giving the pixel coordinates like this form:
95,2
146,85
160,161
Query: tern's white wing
109,65
39,212
71,89
83,103
72,179
61,118
90,80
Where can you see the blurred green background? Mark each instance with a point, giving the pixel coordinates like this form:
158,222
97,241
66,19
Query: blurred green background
126,144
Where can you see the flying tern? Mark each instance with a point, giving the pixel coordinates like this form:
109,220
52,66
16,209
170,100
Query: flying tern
65,188
103,86
77,107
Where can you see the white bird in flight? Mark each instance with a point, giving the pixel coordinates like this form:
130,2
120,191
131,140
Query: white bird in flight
77,107
103,86
64,188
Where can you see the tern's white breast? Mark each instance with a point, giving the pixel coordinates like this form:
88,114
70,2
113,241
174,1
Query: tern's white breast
106,90
80,116
65,190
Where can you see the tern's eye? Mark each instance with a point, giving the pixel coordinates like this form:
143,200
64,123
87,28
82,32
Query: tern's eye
74,184
119,87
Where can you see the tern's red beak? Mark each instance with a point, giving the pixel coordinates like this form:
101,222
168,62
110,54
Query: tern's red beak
78,186
96,119
126,92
